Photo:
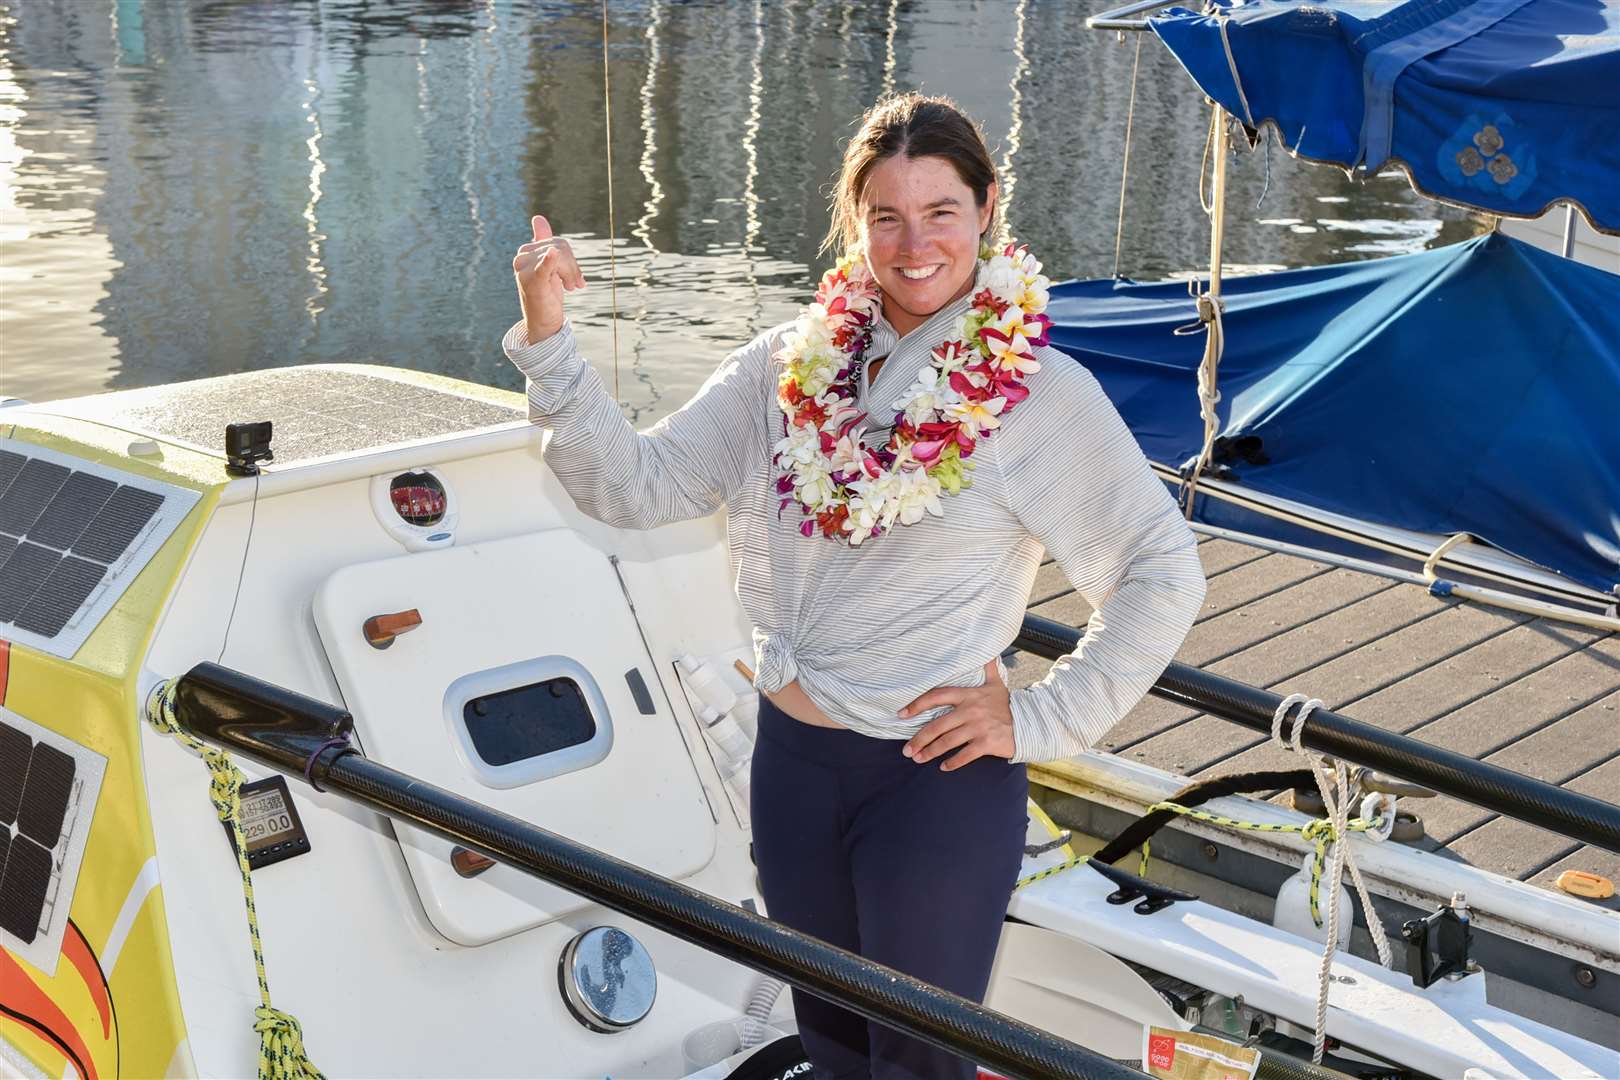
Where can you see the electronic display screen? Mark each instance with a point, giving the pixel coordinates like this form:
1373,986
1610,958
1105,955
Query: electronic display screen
266,820
270,824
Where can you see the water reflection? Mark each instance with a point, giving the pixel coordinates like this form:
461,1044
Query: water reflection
194,189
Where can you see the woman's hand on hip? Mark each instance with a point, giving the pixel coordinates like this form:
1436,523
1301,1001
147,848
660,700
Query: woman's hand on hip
545,268
979,723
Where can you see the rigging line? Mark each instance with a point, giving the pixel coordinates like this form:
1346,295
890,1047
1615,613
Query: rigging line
1203,166
1125,166
241,571
613,262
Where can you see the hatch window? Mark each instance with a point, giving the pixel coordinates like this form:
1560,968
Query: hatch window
527,721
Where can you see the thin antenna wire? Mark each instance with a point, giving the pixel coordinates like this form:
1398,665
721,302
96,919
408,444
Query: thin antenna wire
241,571
613,243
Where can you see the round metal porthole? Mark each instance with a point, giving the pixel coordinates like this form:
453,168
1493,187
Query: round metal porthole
607,979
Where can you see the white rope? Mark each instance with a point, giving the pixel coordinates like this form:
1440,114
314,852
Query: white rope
1334,787
1237,81
1431,565
1209,394
1209,306
1203,166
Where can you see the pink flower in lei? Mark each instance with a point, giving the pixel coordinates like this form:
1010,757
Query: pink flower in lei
849,490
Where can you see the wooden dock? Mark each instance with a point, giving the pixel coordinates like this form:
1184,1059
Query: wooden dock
1534,695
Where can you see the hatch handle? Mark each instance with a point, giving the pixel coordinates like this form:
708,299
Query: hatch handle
381,630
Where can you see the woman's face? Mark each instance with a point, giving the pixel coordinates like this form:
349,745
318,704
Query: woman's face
920,226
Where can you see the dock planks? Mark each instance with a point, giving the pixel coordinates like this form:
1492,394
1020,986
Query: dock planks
1534,695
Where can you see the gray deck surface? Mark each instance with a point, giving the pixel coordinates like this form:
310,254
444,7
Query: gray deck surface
318,410
1533,695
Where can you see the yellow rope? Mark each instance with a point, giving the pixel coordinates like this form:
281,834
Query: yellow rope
1318,832
281,1040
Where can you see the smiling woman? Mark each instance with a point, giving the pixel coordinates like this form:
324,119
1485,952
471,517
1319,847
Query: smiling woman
919,192
888,790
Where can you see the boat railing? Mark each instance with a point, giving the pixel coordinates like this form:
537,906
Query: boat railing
303,737
1559,810
1128,17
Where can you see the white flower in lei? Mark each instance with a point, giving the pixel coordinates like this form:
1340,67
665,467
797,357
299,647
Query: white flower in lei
931,393
850,491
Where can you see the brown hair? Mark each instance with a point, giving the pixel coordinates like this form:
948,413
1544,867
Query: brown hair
915,126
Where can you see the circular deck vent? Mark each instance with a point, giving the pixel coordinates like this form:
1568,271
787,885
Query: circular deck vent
607,979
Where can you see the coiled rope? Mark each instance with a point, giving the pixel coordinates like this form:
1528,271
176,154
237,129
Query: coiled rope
281,1040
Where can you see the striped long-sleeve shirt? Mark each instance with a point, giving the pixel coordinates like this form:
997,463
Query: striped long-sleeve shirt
867,629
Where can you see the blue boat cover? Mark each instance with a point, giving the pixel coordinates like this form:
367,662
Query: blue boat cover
1472,388
1505,105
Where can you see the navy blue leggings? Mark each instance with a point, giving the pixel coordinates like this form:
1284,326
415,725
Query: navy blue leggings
900,862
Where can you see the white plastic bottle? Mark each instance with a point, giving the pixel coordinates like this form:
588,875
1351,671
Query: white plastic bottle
727,736
706,681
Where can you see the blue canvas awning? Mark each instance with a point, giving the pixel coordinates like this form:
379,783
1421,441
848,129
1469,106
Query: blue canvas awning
1472,388
1504,105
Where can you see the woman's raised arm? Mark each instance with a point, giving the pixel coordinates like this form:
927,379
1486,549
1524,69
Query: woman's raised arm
685,466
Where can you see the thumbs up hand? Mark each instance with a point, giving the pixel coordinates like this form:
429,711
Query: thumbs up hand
545,268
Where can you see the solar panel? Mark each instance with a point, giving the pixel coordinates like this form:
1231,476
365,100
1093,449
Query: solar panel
15,750
73,534
71,512
32,490
125,514
45,798
40,811
63,593
10,465
22,576
49,786
22,887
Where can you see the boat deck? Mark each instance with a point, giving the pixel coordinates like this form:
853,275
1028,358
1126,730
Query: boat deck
1534,695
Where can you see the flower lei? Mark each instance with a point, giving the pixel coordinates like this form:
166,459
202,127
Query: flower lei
849,490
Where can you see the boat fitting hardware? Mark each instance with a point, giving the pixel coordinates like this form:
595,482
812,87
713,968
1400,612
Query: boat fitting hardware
1437,944
261,720
1154,897
246,445
1373,780
469,863
607,979
1408,828
381,630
